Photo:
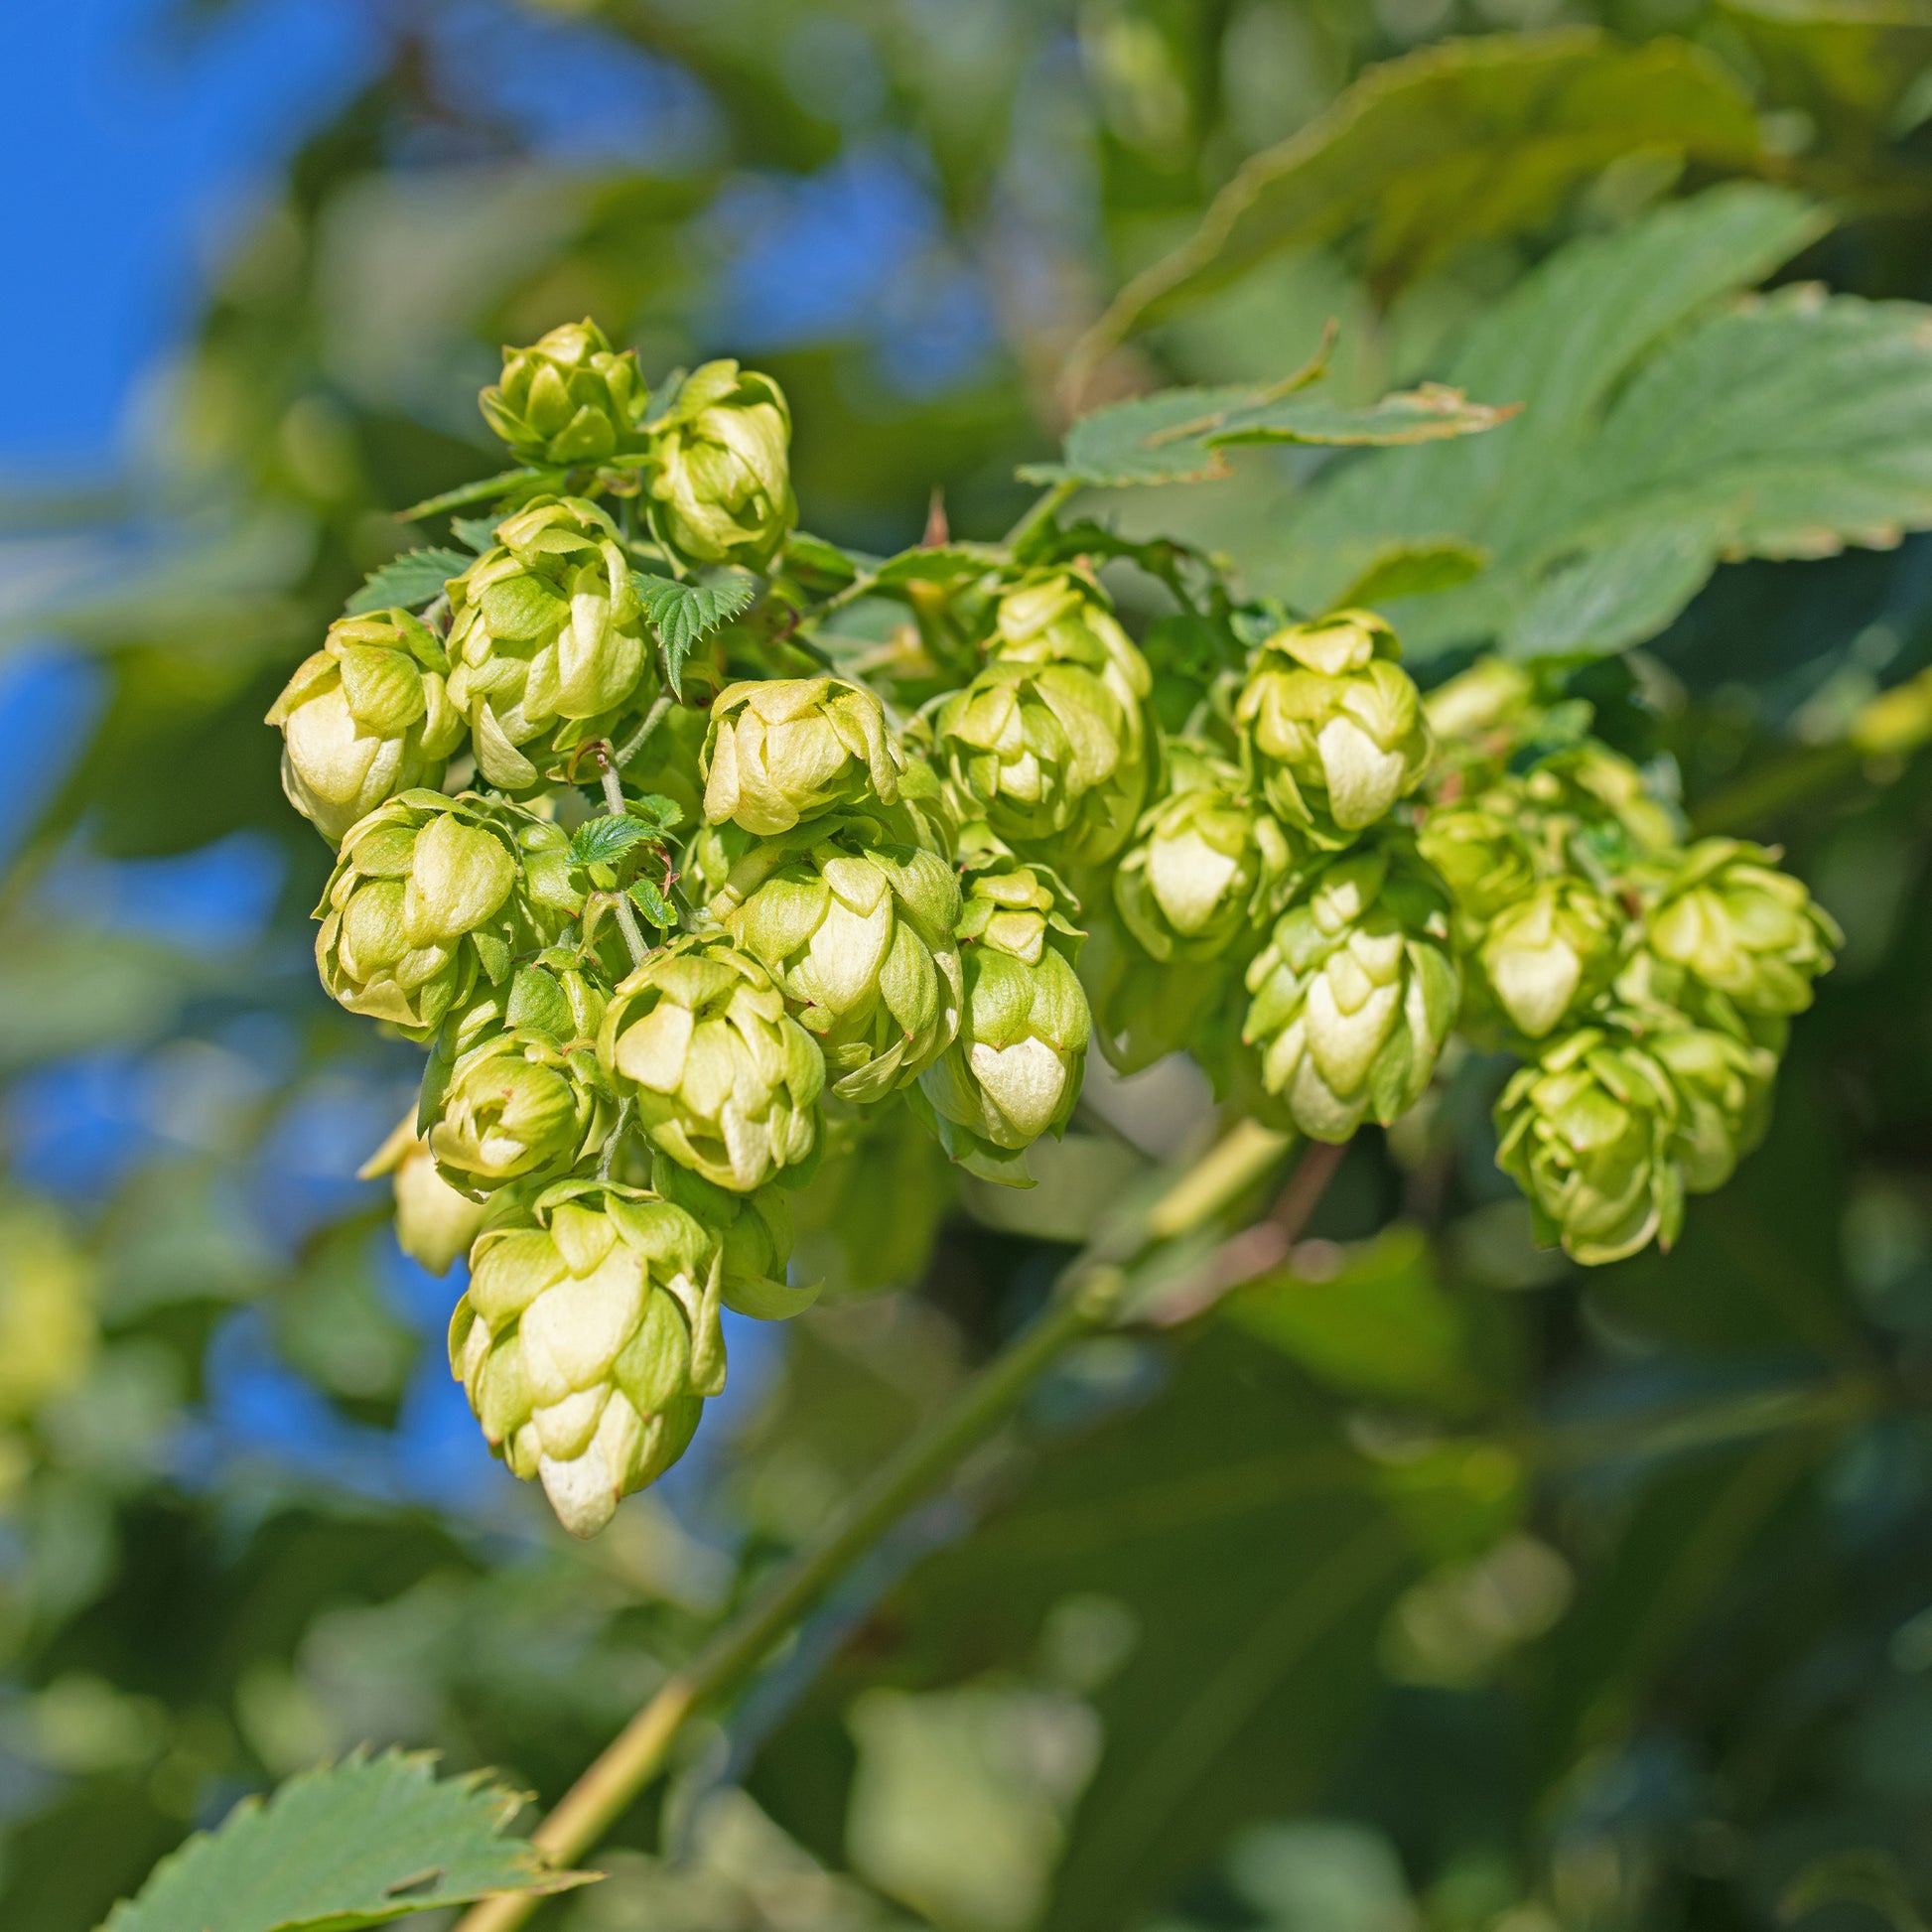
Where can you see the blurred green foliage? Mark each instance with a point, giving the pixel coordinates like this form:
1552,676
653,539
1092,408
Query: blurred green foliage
1429,1586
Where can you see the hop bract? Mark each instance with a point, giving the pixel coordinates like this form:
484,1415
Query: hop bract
1014,1072
1549,953
1736,923
1049,740
366,717
721,1078
785,748
588,1340
520,1107
1482,856
431,894
1723,1088
720,470
568,399
548,643
1355,992
435,1226
856,927
1336,723
1589,1133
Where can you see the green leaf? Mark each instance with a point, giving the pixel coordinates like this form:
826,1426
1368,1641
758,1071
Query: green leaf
652,904
1663,428
682,614
1455,144
1414,570
528,481
1179,435
661,814
355,1844
942,563
824,564
478,532
600,841
409,581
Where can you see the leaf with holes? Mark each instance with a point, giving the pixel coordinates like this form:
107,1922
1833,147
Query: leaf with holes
684,613
1179,435
356,1844
409,581
1669,423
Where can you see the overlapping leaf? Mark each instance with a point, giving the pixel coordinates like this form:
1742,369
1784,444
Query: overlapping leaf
409,582
683,612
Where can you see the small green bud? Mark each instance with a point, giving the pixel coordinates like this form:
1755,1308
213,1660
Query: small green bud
1482,856
780,750
1731,918
1493,695
720,473
431,894
1590,1131
1014,1071
589,1339
568,400
1336,723
723,1079
548,646
1049,740
857,929
520,1107
1355,992
366,717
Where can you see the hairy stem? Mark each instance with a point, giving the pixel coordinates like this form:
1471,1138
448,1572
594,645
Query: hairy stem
1086,1301
660,710
634,933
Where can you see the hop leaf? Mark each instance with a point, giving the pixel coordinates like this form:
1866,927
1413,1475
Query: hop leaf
600,841
409,581
683,614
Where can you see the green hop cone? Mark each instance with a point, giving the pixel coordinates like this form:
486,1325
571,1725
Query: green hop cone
1355,992
568,399
1192,896
520,1107
1014,1071
1604,797
1493,696
548,643
1336,723
1589,1132
435,1226
721,1078
720,470
1049,740
1724,1089
856,925
782,750
1730,917
432,896
1482,856
366,717
755,1238
589,1339
1550,953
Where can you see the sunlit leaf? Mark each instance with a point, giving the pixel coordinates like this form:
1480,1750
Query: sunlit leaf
409,581
684,612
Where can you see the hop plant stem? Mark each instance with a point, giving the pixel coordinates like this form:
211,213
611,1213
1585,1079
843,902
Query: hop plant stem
1088,1298
606,771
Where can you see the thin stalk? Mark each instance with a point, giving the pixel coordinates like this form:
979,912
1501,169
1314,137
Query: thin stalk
1085,1302
634,933
1044,508
660,710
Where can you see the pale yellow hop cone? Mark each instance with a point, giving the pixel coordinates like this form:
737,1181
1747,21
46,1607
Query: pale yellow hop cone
368,717
720,470
1049,740
1544,958
569,399
549,646
432,895
856,922
589,1339
782,750
1014,1072
435,1226
1336,723
721,1077
1356,990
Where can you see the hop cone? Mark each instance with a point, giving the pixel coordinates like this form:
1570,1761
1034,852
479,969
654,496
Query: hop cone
1603,794
1355,992
1589,1133
856,925
548,643
431,894
723,1080
1490,697
1550,953
720,474
435,1226
1724,1089
366,717
754,1233
519,1107
1737,923
568,400
784,749
1193,894
1336,723
1049,740
1482,856
1014,1072
588,1340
